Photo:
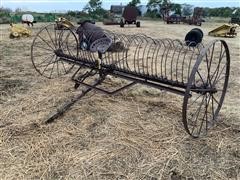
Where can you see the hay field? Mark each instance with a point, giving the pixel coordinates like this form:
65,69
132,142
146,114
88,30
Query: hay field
137,134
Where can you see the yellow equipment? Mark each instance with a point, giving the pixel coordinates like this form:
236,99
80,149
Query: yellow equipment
63,22
226,30
17,31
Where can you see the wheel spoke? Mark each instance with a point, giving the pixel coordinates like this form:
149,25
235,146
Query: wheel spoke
209,63
205,115
46,42
200,76
218,77
43,54
43,48
58,69
50,37
207,112
55,34
223,77
45,60
197,112
70,49
213,111
53,67
194,100
67,36
218,66
63,66
57,37
47,65
215,100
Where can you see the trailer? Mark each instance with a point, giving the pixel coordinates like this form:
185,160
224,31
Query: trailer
196,19
129,15
173,19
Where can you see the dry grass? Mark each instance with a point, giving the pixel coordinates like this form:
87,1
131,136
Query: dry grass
137,134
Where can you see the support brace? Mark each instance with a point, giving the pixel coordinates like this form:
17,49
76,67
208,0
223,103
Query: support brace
67,105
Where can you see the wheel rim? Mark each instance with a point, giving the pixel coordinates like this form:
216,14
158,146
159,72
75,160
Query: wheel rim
207,87
47,41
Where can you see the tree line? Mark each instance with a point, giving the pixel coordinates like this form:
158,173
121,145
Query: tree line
154,7
93,10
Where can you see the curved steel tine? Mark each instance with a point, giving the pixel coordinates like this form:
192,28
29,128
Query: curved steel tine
183,64
164,58
153,65
181,48
159,43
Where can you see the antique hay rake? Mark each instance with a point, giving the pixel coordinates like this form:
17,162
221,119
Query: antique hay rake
198,73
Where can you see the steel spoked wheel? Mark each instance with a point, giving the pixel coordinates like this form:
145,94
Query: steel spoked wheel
206,88
49,40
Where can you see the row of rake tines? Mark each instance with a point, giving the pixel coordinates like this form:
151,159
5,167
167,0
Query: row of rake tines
163,59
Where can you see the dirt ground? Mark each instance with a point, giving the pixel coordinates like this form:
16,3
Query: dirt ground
136,134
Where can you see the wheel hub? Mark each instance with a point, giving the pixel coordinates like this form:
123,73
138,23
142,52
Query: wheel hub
206,89
213,90
58,51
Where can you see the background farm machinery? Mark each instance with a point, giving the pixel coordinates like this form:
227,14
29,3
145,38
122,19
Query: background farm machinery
130,15
115,15
28,19
122,15
196,19
17,31
226,30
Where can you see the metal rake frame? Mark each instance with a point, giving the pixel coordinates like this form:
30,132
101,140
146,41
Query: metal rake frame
198,73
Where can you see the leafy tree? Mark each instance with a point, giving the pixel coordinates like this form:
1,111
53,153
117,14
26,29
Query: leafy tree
154,5
222,12
206,12
5,11
152,13
93,5
18,10
134,2
187,9
72,13
94,9
5,15
236,12
177,8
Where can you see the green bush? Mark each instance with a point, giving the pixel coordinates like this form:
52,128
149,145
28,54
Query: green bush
16,19
5,20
